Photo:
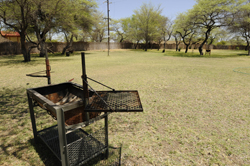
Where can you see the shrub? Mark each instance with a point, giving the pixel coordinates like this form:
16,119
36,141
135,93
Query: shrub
222,43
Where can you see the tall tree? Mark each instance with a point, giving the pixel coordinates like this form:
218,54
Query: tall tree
211,14
177,38
99,27
241,24
147,18
185,29
15,15
61,14
120,27
80,20
133,29
165,29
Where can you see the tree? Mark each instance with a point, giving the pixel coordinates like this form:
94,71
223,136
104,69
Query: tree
80,20
66,16
211,14
147,18
42,16
120,27
99,27
133,29
185,29
216,35
177,38
166,29
15,15
241,25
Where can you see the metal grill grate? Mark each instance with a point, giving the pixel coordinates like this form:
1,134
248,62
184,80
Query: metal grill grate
119,101
81,145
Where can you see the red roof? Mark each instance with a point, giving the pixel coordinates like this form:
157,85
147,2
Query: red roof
10,34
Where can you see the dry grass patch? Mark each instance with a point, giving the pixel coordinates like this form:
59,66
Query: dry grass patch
196,110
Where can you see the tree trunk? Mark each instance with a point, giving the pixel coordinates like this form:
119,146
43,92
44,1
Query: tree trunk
30,48
186,48
247,46
43,49
177,46
64,49
176,43
202,44
136,44
68,45
146,45
164,44
24,49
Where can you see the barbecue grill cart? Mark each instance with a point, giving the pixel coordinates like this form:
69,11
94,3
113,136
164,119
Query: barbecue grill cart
74,107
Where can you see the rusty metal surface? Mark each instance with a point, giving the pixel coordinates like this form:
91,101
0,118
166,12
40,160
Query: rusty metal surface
67,96
115,101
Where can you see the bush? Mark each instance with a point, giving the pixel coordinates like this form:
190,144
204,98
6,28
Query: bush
222,43
48,41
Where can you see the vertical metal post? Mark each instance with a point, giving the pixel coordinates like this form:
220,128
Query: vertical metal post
62,137
32,117
106,135
108,27
85,86
48,70
120,157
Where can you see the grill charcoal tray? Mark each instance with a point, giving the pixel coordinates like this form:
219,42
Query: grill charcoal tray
67,96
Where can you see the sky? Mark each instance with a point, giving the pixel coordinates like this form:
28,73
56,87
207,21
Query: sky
125,8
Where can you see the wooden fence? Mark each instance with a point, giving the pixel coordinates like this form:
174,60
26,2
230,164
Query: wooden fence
13,48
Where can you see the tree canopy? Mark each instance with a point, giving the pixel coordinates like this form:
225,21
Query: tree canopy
15,16
208,15
147,18
43,15
203,24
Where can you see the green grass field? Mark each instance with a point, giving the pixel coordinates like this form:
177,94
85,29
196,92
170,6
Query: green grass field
196,109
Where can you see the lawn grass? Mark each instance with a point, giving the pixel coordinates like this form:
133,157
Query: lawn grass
196,109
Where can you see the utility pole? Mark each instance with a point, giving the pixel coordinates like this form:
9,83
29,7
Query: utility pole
108,26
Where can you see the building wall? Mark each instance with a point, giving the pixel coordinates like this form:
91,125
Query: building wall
13,38
2,39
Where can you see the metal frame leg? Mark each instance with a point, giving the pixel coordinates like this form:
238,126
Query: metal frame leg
32,117
62,137
106,135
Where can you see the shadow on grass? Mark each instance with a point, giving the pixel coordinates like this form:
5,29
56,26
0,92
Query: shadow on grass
49,159
17,61
242,54
197,55
13,60
12,121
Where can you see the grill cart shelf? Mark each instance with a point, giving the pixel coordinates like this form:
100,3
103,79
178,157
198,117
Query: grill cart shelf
119,101
74,107
69,143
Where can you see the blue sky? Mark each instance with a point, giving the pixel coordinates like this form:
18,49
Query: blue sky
125,8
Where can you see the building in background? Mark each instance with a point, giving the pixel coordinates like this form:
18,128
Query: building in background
12,36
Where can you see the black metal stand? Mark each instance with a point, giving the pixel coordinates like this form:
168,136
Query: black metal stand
70,144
